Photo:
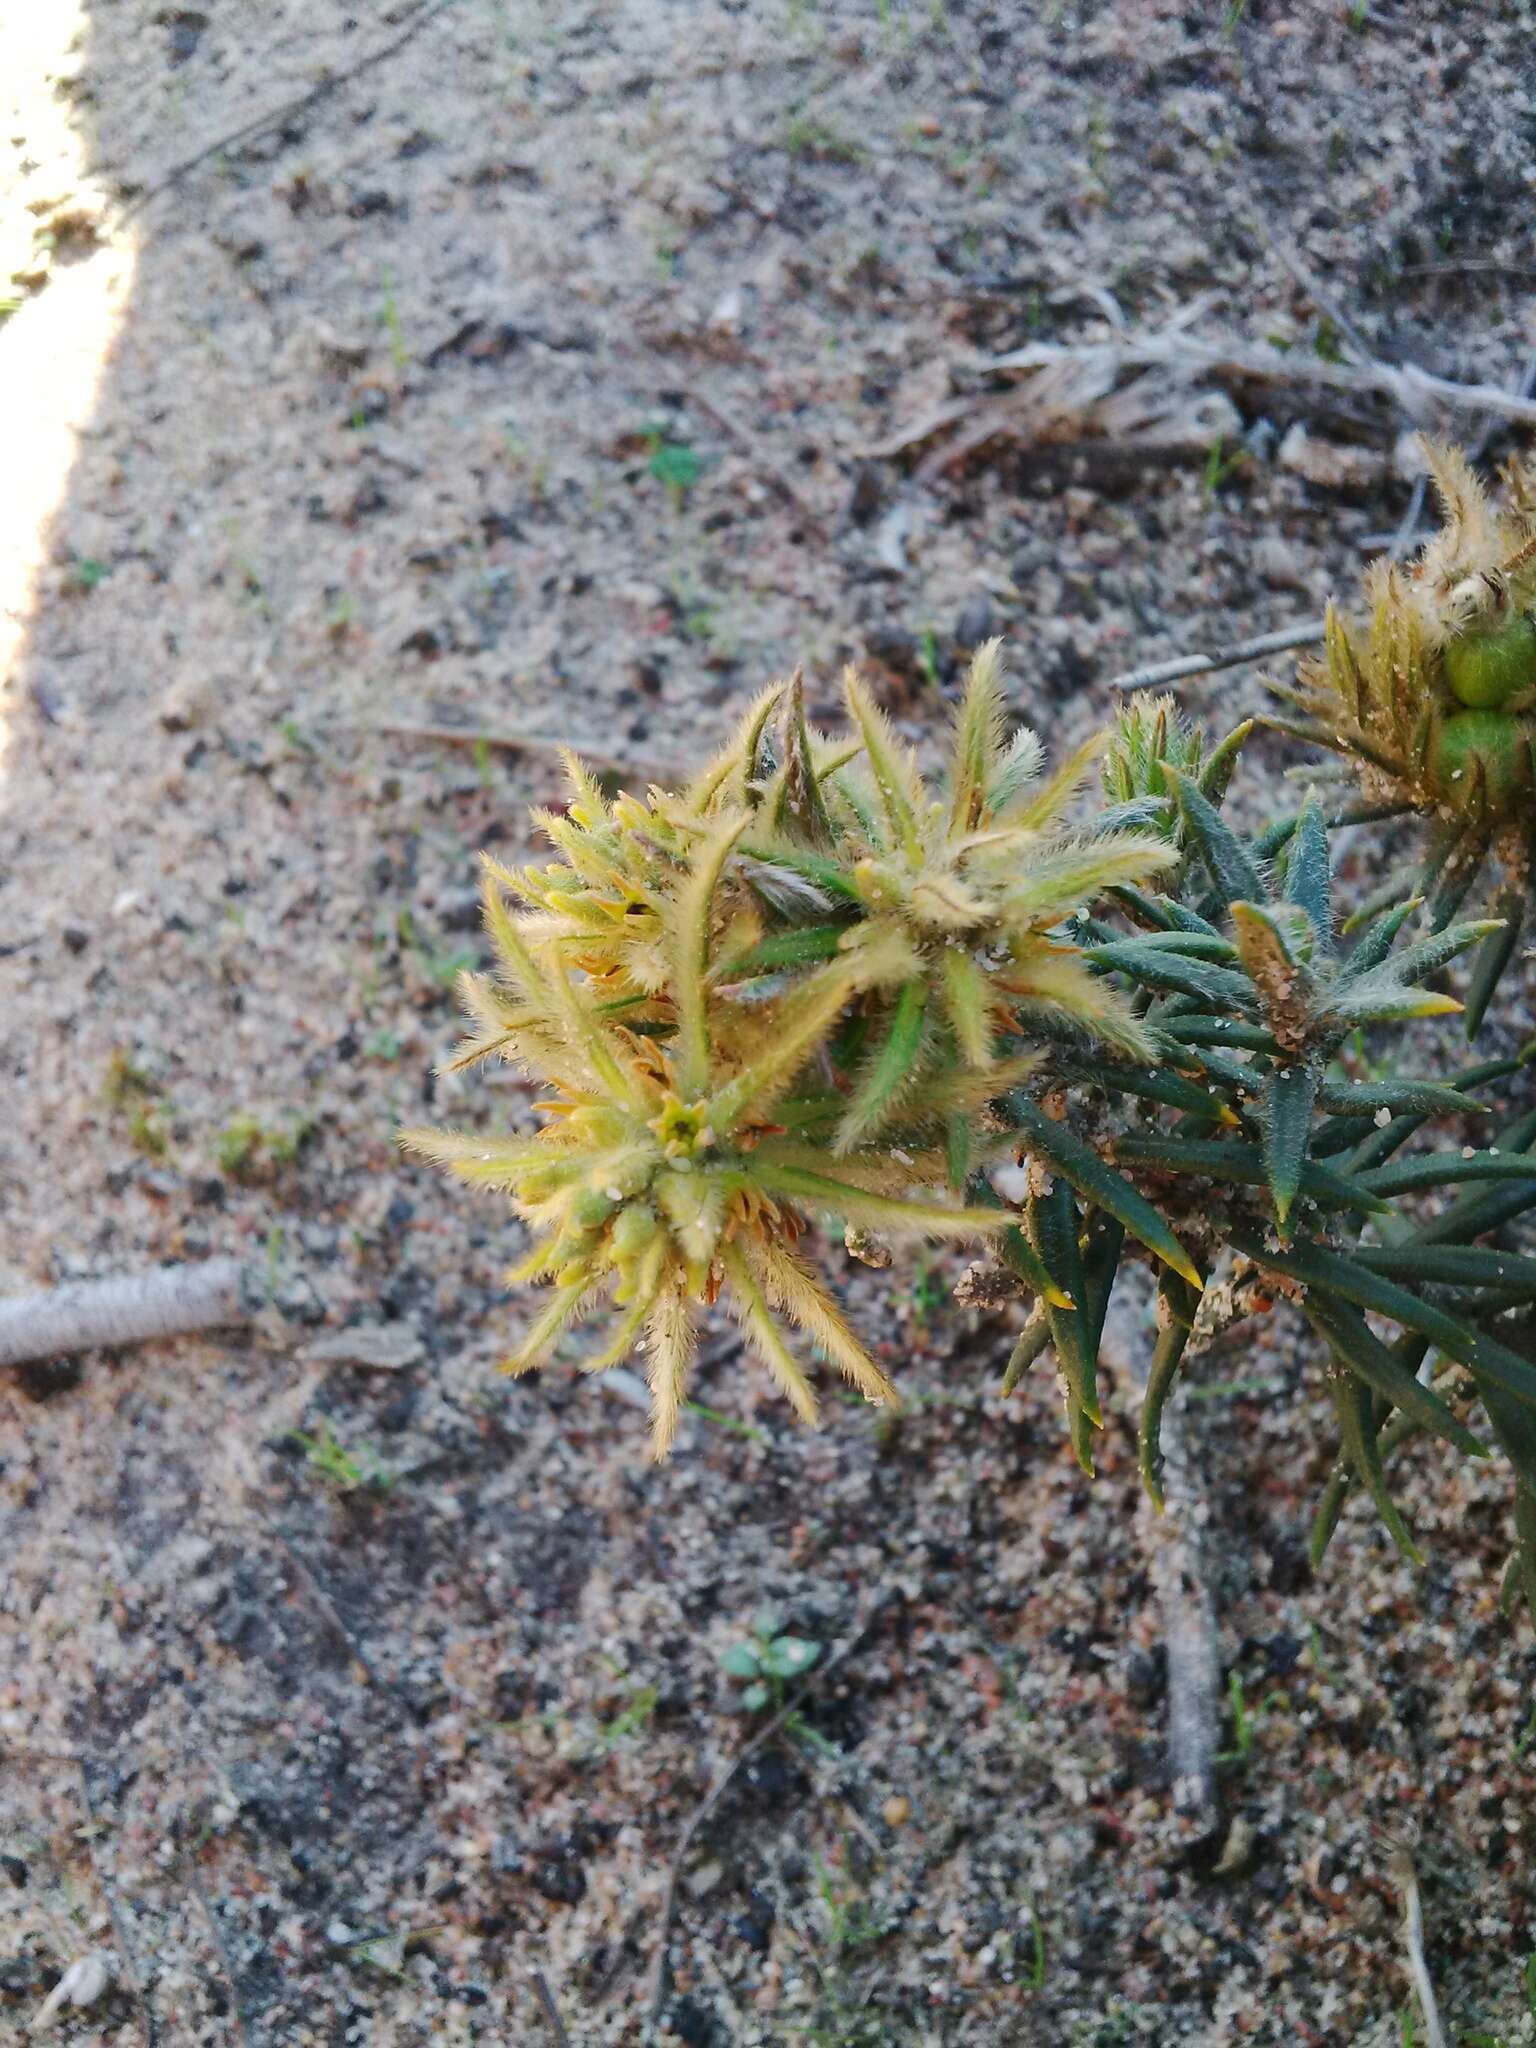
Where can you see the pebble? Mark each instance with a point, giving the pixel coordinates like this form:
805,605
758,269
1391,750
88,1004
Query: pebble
1278,563
897,1811
976,622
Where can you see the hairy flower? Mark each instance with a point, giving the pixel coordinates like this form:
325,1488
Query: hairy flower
975,883
670,1170
1433,701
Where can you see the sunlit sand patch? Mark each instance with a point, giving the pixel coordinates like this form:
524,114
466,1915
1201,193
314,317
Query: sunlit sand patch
54,347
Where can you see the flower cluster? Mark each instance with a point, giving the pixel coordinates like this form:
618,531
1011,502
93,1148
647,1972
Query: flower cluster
790,990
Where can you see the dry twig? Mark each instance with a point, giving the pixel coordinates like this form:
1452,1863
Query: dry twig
1416,392
1406,1879
551,2011
669,772
1173,1544
427,11
1185,665
135,1308
1142,392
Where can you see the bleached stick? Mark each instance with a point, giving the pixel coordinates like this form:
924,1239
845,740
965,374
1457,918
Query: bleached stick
1406,1879
1172,1541
170,1301
1416,391
1184,665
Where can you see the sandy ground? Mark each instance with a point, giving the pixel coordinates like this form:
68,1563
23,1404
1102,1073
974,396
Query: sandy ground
526,385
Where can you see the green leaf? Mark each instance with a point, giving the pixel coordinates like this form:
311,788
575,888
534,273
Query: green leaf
1285,1117
1308,874
1398,1098
1352,1282
968,1000
884,1076
1457,870
1440,1169
1400,889
1494,956
1427,956
1020,1255
800,947
675,464
1161,912
1377,943
689,934
1220,1031
1166,1359
1514,1424
1381,999
756,1697
1033,1339
1101,1268
1217,772
1100,1184
891,765
1230,867
1468,1266
1057,791
1158,968
789,1656
957,1150
740,1661
1189,945
826,875
824,1191
1242,1077
1474,1215
1234,1159
1354,1406
1400,1430
800,808
978,738
1052,1220
1362,1350
1152,1084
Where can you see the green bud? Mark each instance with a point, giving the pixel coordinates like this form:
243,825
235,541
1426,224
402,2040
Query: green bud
1494,738
633,1229
1485,670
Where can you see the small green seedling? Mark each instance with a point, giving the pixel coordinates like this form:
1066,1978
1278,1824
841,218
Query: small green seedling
769,1662
389,320
731,1424
442,969
388,1951
349,1471
850,1922
631,1720
245,1142
1035,1975
673,463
